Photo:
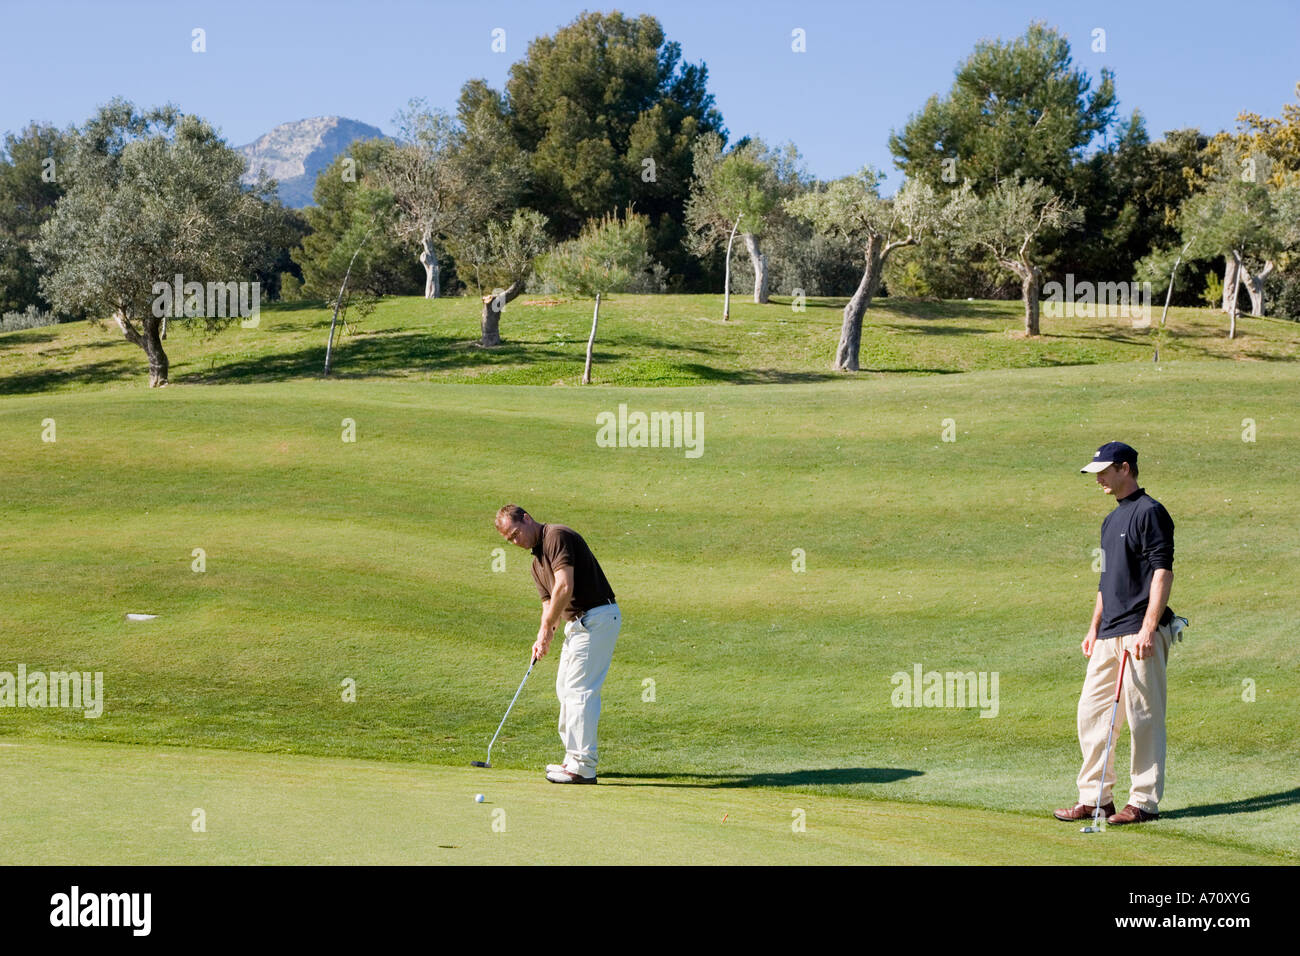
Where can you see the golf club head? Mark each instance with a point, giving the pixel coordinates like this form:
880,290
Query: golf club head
479,763
1092,828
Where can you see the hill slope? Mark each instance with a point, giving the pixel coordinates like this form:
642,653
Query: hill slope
643,340
325,560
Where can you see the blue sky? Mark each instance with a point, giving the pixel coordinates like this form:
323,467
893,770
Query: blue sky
868,65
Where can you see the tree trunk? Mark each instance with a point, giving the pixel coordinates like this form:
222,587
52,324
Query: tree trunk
151,342
1231,278
846,355
1232,311
1254,283
493,305
759,261
1030,281
432,274
153,348
1029,286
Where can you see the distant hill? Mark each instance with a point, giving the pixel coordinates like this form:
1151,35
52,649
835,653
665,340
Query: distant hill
295,153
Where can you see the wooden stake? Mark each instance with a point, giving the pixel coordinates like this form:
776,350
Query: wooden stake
595,318
726,291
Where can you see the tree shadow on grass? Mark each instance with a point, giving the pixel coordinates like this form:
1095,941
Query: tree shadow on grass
390,355
373,355
14,339
945,309
752,376
933,329
914,308
65,351
1285,798
300,305
905,370
1184,343
633,345
833,776
95,373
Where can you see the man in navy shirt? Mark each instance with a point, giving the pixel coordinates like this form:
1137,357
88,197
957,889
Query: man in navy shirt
1131,613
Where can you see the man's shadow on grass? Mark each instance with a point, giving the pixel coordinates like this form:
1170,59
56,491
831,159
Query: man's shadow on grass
1268,801
835,776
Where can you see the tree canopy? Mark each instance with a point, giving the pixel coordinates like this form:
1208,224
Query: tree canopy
151,196
608,112
1015,110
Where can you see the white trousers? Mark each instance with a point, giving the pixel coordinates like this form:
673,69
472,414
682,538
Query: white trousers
584,663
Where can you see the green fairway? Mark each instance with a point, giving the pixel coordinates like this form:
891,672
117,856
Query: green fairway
739,681
108,804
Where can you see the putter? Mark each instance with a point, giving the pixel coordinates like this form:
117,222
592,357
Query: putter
1096,826
488,763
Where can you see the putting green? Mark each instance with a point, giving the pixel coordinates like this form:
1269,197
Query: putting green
103,804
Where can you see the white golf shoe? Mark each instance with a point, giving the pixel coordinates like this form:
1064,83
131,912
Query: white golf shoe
568,776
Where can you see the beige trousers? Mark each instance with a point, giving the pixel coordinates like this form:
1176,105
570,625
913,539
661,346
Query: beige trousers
1142,705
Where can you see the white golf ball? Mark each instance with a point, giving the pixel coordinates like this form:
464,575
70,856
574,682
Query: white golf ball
478,798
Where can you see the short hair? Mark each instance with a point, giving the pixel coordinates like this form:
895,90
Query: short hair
512,514
1132,467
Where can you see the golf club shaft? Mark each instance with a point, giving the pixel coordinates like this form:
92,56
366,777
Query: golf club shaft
508,709
1105,759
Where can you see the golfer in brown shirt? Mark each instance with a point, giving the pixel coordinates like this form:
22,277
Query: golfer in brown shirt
573,589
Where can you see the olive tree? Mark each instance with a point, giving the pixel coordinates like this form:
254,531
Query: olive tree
151,196
1246,215
420,174
1011,223
739,192
496,261
853,209
448,174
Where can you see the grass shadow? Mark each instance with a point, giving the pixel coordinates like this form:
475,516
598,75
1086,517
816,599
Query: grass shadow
95,373
298,305
1285,798
832,776
14,337
370,354
752,376
945,309
935,329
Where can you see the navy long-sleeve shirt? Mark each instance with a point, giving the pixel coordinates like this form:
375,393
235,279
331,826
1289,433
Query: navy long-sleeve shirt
1137,538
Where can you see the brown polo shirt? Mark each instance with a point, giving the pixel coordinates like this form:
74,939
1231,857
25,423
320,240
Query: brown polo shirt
562,547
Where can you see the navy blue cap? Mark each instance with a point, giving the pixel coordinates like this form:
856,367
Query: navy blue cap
1111,453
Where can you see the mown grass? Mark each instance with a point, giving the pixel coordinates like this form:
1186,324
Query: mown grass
372,560
642,341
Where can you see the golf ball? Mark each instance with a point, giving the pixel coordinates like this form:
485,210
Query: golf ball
478,798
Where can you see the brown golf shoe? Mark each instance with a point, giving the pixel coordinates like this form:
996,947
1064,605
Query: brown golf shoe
1081,811
1131,814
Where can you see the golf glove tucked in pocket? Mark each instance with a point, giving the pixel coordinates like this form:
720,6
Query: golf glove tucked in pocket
1176,628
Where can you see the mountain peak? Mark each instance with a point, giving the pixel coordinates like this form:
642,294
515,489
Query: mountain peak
294,153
